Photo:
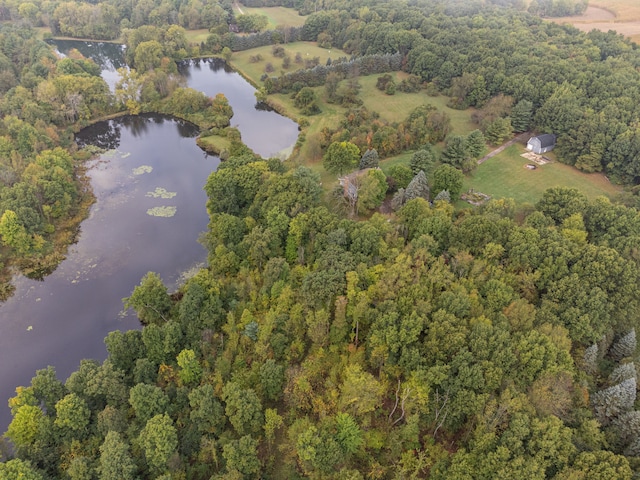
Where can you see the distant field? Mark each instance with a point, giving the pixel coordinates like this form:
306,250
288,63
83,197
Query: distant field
396,108
505,176
624,10
197,36
622,16
276,15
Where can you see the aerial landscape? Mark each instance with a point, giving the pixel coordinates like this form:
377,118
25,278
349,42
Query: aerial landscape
324,239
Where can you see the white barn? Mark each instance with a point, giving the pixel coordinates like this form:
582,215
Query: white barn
542,143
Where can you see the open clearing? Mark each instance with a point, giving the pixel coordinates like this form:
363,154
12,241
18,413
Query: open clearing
622,16
396,108
197,36
241,61
276,15
506,176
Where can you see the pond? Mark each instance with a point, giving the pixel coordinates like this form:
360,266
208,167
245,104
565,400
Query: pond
150,210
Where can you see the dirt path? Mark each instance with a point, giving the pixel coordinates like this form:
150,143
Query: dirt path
522,136
237,5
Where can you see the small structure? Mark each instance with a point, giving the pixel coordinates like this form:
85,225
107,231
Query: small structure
542,143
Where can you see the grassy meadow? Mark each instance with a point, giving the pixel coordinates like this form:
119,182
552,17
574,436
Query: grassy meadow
197,36
276,15
396,108
241,61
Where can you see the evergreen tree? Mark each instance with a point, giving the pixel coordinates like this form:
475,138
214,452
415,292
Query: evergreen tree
369,159
457,153
418,187
622,372
590,358
443,195
624,347
423,159
498,131
612,402
476,145
521,115
398,199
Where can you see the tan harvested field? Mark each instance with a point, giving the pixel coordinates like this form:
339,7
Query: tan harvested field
622,16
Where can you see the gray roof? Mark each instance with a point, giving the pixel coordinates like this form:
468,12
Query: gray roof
546,140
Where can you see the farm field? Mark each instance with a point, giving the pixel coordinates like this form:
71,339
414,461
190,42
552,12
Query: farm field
622,16
505,176
275,15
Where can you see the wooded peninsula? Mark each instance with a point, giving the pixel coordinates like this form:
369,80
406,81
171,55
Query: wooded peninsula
372,327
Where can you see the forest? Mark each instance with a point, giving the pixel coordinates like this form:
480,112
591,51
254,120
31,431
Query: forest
325,338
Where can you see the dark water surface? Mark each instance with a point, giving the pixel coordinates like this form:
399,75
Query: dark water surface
64,318
263,130
108,56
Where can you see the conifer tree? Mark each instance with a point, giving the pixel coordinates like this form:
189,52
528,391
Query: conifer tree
612,402
443,196
521,116
625,346
419,187
398,199
369,159
476,145
423,159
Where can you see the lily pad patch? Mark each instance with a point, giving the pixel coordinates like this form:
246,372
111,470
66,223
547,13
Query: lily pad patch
141,170
161,193
162,211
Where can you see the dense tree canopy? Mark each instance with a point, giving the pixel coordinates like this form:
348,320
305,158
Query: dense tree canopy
497,342
329,344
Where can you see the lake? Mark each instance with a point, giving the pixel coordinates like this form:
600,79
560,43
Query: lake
153,167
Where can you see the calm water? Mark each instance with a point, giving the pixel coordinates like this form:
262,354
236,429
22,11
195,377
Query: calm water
64,318
266,132
108,56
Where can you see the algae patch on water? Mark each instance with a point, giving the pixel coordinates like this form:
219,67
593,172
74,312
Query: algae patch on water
142,169
114,153
162,211
160,193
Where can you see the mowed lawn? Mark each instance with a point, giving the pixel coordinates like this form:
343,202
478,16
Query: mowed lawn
276,15
505,176
396,108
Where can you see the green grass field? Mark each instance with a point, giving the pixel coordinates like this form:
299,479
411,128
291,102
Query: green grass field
505,176
396,108
197,36
276,15
214,143
241,60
